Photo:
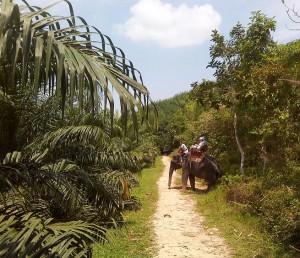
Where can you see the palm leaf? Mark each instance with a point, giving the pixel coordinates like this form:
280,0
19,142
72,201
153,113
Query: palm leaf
71,58
14,157
84,135
31,236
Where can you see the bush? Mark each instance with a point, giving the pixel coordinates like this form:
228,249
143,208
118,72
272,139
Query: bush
146,152
292,174
246,193
229,179
281,215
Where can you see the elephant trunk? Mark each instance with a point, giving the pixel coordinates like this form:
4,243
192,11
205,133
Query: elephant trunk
170,175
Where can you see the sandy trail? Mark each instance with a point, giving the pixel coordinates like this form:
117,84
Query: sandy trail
179,229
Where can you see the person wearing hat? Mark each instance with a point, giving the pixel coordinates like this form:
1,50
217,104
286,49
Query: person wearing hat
202,145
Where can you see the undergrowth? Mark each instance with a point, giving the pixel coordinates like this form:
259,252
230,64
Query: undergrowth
136,238
242,231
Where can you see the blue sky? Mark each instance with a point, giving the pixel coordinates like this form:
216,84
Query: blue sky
168,40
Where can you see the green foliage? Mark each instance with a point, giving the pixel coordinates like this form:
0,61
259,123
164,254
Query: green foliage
35,118
172,121
60,57
64,181
8,120
289,55
216,125
277,206
26,235
258,46
231,179
282,222
253,104
137,237
206,94
42,208
245,194
147,151
243,233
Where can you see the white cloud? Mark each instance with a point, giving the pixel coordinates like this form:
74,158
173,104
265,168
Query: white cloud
153,21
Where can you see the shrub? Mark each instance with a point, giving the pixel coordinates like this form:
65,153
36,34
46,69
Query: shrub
281,215
231,179
244,192
278,208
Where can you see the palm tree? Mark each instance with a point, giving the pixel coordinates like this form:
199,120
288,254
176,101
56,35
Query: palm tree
66,58
66,176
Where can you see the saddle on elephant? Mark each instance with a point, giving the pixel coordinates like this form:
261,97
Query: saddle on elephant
196,155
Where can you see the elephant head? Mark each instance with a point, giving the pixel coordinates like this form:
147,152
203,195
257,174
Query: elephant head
174,164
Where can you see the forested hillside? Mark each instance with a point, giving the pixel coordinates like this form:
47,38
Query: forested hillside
250,115
171,121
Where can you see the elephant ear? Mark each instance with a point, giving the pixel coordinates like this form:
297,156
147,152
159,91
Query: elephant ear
213,161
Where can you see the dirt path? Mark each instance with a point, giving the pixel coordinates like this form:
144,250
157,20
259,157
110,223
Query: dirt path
179,230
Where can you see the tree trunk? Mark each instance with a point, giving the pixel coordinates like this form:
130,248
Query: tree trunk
242,153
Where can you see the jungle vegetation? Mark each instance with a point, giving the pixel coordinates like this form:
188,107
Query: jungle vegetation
67,157
250,116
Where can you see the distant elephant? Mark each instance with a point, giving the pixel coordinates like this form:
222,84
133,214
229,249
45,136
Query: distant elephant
206,169
174,165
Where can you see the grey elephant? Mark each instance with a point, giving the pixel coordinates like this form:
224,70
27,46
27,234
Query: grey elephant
204,166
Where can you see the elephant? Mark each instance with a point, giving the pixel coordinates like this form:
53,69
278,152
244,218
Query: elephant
205,168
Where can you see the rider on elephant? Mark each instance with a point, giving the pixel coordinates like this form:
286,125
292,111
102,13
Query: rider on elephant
202,145
200,165
183,150
194,165
198,151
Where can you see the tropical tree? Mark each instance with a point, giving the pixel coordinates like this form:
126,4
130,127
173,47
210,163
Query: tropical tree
61,176
233,60
66,58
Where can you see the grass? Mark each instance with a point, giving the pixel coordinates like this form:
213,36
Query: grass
136,239
241,232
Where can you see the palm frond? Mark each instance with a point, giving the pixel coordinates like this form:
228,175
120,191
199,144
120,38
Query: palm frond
64,186
80,135
12,157
61,58
30,236
86,144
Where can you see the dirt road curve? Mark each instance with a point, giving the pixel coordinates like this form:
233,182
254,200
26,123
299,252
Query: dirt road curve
179,230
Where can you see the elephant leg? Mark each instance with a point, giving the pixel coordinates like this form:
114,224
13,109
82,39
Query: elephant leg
184,179
192,181
212,182
170,176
